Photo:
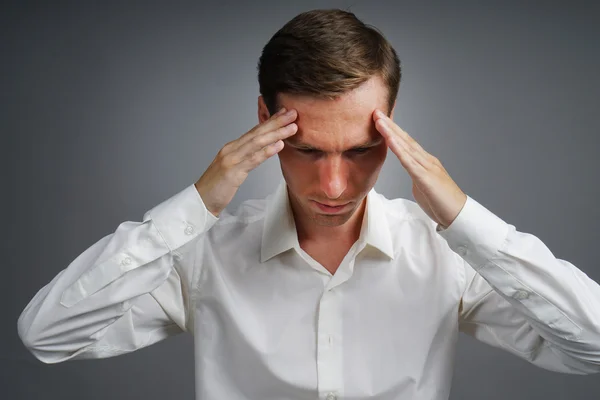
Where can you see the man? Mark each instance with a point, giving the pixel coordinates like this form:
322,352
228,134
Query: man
325,289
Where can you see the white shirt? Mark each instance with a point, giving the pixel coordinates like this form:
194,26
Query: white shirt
269,322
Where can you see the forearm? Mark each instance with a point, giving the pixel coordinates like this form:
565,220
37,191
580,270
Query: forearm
557,299
77,307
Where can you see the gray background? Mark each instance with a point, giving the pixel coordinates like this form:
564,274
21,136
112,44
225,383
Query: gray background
108,108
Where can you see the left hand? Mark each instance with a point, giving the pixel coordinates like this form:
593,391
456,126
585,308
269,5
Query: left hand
435,192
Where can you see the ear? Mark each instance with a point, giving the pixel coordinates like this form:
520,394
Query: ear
263,111
392,111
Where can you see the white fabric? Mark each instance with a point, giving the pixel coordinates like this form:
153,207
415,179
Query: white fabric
269,322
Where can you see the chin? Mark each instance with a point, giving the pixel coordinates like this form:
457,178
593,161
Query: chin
337,220
331,220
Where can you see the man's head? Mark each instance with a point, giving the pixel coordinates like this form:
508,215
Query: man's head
335,71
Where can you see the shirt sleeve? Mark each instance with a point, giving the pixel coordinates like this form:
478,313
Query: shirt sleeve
521,298
127,291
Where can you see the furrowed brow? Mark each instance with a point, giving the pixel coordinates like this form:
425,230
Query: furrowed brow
305,146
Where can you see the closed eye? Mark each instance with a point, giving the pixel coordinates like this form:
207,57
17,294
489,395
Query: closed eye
360,150
308,151
357,151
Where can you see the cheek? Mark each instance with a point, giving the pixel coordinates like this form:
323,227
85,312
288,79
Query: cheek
287,159
293,167
364,174
378,158
372,163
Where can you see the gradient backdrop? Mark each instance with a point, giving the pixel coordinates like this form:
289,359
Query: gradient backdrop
108,108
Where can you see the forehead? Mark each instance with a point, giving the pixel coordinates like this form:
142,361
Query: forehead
340,123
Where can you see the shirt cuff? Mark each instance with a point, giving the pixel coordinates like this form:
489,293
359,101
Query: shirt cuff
182,217
476,234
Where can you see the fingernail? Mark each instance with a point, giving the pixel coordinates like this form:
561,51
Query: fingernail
289,113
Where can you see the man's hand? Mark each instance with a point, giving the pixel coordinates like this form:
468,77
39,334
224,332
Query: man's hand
236,159
435,192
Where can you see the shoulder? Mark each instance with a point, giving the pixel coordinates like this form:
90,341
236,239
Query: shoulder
401,210
410,226
247,212
241,223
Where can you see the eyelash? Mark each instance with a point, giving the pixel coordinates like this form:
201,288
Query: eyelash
355,151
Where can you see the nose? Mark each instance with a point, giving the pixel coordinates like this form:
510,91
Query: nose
333,176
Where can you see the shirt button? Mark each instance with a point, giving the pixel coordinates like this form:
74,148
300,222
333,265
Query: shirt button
462,250
126,261
189,230
331,396
521,295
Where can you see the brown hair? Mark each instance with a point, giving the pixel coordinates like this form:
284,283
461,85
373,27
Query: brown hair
325,53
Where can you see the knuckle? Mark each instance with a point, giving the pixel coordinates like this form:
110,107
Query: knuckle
229,161
225,151
226,147
269,150
256,157
259,141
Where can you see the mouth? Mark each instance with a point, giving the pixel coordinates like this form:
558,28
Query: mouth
330,209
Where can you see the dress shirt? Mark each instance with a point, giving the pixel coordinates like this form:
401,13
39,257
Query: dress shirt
270,322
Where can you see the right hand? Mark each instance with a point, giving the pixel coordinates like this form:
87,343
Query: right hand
236,159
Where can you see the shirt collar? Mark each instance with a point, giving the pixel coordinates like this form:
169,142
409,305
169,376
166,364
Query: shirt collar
279,230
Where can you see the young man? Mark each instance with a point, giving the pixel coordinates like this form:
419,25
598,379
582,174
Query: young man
325,289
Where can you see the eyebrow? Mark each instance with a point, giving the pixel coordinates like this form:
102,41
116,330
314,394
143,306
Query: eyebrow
305,146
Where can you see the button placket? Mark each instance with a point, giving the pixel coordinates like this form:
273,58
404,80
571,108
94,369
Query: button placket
521,295
329,362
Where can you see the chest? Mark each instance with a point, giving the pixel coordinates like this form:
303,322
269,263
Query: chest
282,324
330,260
329,256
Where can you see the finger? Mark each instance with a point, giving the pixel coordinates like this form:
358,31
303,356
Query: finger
417,153
416,149
413,144
412,161
282,118
401,132
235,144
258,149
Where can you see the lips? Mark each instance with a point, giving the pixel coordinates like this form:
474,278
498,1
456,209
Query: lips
330,209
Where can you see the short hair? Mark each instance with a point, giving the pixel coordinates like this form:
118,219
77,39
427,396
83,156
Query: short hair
325,53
